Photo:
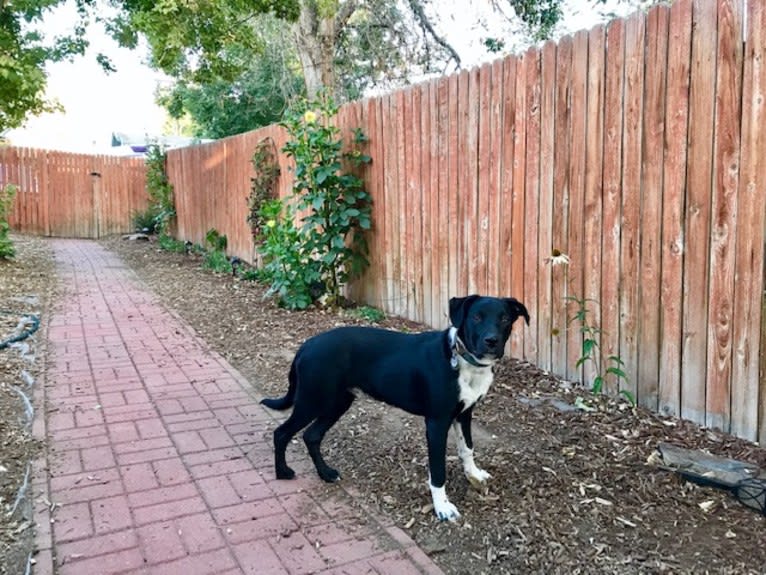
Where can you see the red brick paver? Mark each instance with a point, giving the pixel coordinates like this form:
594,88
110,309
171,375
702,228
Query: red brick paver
158,455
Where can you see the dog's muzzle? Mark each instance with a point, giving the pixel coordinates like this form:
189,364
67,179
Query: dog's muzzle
492,346
459,349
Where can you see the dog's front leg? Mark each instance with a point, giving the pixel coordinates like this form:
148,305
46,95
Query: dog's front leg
436,433
462,428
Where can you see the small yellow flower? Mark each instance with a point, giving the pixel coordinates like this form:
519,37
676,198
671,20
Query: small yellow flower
271,223
310,117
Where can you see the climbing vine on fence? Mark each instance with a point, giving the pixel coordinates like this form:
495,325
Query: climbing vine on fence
263,186
161,202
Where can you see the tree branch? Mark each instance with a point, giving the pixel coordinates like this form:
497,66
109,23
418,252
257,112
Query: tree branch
417,9
341,18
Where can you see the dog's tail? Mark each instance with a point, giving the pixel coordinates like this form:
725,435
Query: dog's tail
288,400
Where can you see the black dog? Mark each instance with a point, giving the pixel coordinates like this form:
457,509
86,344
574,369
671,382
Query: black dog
439,375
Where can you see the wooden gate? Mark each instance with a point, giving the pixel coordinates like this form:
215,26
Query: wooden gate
72,195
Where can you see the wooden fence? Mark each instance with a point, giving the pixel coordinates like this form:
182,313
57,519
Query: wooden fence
72,195
212,186
636,149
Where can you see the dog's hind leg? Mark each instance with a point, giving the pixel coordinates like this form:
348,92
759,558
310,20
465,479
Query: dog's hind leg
316,431
299,419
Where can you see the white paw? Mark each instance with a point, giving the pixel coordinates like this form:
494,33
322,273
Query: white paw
477,475
446,511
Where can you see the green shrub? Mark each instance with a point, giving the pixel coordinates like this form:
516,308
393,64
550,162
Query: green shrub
145,221
215,258
286,267
217,262
7,249
252,275
216,241
170,244
368,313
330,248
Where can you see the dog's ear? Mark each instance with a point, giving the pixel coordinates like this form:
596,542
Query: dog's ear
458,309
517,308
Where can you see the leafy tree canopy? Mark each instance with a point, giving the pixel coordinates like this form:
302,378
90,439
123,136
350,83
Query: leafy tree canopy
256,97
363,41
23,54
346,46
186,38
190,40
221,55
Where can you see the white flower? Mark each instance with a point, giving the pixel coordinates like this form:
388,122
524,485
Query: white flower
557,258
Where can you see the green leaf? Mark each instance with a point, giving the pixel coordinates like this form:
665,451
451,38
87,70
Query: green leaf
617,371
598,384
588,345
320,175
616,359
338,242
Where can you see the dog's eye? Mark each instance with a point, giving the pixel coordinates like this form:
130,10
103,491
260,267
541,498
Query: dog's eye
505,319
476,318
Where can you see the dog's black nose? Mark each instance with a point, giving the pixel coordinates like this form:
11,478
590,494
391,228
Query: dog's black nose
490,341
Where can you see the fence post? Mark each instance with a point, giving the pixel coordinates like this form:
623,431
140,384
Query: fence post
96,190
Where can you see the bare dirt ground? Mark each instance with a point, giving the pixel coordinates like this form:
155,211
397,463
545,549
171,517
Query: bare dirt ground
571,490
26,288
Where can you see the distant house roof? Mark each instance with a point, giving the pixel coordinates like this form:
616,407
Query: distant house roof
139,143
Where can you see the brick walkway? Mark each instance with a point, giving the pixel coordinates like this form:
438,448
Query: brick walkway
158,458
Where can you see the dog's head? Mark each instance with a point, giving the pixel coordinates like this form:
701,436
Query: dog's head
484,323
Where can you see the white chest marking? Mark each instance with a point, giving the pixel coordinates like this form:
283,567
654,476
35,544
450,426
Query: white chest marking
473,381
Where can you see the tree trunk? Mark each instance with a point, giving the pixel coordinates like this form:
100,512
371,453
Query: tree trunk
315,38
